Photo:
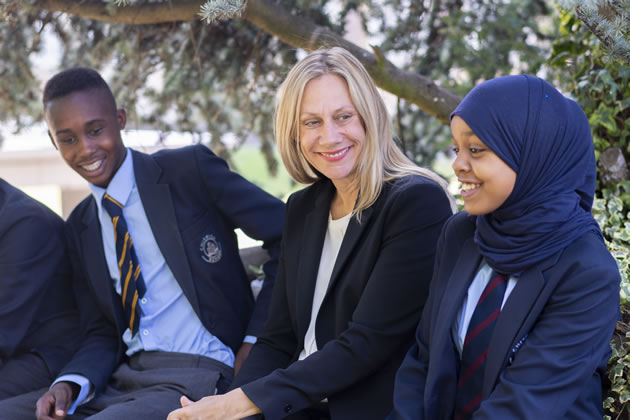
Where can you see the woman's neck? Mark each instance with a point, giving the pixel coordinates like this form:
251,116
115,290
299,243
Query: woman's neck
344,200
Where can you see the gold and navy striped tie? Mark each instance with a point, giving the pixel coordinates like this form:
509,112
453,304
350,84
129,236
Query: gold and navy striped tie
132,283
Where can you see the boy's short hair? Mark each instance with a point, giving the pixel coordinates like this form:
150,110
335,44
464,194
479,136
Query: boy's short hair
75,79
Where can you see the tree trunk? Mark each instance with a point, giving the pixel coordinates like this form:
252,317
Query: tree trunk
613,166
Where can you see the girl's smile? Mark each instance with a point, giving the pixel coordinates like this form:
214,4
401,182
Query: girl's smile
486,180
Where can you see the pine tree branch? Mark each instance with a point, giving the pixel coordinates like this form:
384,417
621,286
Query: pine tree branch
133,14
291,29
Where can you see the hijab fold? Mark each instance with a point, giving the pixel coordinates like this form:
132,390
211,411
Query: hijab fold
546,139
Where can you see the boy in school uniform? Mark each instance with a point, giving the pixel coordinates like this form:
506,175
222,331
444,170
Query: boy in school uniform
35,309
165,303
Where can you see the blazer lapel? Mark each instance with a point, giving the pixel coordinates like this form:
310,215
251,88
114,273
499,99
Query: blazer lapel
98,274
509,328
462,275
442,346
158,206
314,232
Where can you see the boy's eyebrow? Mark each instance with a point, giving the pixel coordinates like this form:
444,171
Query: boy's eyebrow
64,130
95,121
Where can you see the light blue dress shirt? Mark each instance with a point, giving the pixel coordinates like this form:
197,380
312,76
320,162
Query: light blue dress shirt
169,322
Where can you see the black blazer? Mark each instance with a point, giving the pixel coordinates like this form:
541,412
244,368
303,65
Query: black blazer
365,325
187,194
549,349
37,314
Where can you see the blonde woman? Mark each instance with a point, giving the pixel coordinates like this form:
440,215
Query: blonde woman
357,256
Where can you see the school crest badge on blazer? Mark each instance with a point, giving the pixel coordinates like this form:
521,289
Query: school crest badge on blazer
210,249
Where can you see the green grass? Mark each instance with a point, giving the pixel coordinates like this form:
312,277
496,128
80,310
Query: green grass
250,163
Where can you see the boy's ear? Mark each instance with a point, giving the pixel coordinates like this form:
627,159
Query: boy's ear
121,116
51,140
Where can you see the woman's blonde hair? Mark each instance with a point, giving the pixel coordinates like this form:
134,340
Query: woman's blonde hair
381,159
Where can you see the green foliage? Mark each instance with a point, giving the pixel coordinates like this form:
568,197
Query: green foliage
608,20
221,77
221,9
457,44
250,163
602,87
18,91
191,76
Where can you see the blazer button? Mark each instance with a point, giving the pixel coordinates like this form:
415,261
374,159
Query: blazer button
288,408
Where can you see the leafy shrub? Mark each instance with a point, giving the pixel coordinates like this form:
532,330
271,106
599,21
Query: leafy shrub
602,87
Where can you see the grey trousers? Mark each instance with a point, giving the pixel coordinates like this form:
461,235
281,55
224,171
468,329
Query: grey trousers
23,373
147,387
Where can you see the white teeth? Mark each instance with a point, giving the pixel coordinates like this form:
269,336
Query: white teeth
93,166
467,187
334,155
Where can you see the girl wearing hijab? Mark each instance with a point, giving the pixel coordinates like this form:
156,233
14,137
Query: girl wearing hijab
525,295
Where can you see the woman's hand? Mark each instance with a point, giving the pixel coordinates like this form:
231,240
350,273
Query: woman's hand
233,405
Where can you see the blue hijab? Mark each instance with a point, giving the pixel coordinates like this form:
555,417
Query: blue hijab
545,138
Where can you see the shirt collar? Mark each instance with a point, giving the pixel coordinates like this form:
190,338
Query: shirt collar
121,184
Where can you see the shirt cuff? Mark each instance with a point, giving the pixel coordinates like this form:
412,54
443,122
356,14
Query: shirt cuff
85,394
250,339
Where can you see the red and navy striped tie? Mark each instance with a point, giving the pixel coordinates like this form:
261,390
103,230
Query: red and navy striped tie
132,283
475,350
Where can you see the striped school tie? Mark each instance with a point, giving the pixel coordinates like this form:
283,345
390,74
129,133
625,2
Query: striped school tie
475,351
131,279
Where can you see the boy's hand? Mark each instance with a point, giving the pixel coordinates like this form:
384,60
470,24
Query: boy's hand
54,404
241,356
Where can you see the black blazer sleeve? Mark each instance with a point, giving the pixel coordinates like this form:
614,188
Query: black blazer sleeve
100,350
404,230
411,378
277,345
33,268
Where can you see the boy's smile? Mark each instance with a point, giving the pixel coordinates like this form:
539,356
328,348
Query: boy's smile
85,127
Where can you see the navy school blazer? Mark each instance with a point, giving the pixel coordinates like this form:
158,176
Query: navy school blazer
188,195
548,353
37,314
366,322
